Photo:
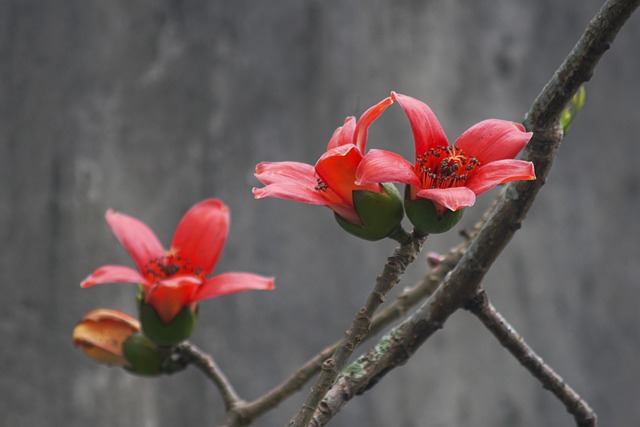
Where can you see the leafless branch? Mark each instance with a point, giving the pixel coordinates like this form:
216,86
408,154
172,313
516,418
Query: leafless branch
512,341
359,328
505,219
192,354
399,307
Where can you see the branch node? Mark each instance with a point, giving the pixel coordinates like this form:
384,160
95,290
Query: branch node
329,365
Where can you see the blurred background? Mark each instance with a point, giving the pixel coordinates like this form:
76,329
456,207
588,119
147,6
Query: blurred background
148,107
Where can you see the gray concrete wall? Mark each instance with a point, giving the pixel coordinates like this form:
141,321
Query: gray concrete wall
151,106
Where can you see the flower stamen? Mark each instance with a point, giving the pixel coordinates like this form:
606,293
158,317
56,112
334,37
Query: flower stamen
321,186
444,167
170,265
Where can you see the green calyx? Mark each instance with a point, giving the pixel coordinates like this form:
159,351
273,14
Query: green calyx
176,331
144,356
427,219
148,359
380,213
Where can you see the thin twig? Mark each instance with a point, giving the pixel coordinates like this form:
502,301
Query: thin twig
359,328
407,298
462,284
429,283
292,384
244,414
515,344
192,354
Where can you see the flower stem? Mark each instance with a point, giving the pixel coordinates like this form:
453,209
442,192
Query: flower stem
400,235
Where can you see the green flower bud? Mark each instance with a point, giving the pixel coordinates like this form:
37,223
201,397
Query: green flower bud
144,357
380,213
427,219
176,331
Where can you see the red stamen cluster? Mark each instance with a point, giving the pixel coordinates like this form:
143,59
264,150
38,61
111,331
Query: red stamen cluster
169,265
321,186
444,167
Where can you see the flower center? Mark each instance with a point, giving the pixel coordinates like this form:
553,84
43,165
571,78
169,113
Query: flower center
445,167
169,265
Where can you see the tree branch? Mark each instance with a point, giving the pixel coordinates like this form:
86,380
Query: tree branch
515,344
464,280
408,298
359,328
192,354
580,64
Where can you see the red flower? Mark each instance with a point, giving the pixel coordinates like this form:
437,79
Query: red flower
450,176
331,182
177,278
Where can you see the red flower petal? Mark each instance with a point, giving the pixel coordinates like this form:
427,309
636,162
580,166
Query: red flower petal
290,191
202,233
136,237
451,198
337,169
347,212
292,181
366,119
291,172
231,283
171,295
385,166
344,134
113,274
492,140
427,131
488,176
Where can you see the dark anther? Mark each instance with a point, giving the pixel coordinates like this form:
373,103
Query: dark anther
321,185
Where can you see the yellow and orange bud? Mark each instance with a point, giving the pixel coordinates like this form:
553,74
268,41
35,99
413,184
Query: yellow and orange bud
101,333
